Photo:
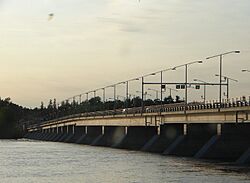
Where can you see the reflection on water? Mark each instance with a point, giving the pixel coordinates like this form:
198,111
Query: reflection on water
35,161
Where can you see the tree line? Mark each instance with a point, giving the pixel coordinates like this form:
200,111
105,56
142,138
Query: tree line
96,104
13,117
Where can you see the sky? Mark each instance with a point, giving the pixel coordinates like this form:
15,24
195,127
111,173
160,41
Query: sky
92,44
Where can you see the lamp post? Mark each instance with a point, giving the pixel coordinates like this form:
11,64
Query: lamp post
114,97
220,68
103,95
245,70
80,99
156,92
127,90
87,96
119,96
170,91
144,94
142,90
228,79
204,92
186,79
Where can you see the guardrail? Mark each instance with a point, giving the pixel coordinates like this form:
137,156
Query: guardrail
177,107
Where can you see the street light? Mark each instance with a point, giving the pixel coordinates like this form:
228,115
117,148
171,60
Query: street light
204,94
87,96
186,78
144,94
227,79
119,96
245,70
221,57
170,91
156,92
127,89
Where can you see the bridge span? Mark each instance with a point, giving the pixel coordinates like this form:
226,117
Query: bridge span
209,131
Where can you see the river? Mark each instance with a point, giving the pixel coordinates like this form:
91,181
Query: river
25,161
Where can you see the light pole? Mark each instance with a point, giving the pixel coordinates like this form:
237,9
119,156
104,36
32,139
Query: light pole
87,96
156,92
204,92
114,97
142,90
170,91
127,90
144,94
227,80
119,96
245,70
220,75
186,79
103,94
127,86
80,99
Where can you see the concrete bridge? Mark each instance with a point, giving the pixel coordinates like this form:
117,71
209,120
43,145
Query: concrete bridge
210,131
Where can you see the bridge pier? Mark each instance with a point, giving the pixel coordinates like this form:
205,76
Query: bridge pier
90,134
136,137
231,144
75,134
194,138
42,134
111,135
65,133
52,135
168,134
35,134
59,134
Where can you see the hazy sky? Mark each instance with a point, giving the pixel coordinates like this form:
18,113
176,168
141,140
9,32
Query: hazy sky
91,44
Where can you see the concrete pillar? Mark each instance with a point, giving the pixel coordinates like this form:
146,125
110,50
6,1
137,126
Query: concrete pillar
111,135
137,137
80,132
232,143
90,135
168,133
197,134
73,129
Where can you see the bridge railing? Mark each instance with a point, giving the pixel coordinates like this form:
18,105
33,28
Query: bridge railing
177,107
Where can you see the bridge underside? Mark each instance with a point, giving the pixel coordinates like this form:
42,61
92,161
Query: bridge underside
205,134
224,142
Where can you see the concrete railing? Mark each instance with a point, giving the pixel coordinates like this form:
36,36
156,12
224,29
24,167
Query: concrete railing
177,107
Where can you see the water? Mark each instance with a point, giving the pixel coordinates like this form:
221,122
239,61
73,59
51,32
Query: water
25,161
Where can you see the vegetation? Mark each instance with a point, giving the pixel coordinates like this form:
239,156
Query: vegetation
13,118
10,114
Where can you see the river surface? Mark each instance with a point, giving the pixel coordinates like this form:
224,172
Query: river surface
25,161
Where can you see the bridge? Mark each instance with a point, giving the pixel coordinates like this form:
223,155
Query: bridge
218,130
209,130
